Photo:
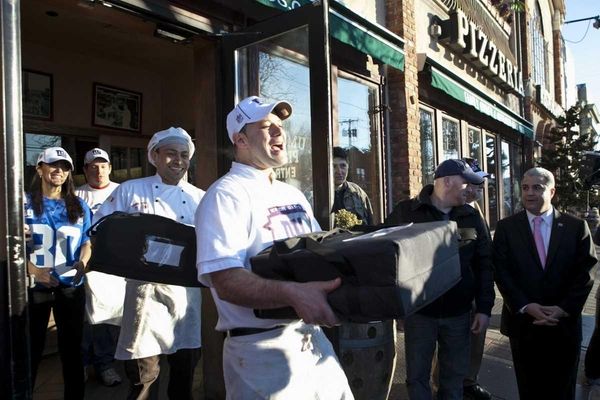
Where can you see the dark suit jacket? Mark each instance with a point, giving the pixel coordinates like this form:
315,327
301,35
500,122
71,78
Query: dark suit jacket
564,282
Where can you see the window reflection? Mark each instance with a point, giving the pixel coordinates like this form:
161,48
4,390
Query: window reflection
427,147
490,156
358,133
517,173
474,144
127,163
277,69
507,182
450,139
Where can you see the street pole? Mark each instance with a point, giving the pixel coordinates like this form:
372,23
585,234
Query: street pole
14,338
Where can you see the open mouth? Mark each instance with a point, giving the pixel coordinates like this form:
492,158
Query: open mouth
277,147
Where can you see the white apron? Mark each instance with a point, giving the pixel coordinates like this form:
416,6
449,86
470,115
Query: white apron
259,366
104,293
157,318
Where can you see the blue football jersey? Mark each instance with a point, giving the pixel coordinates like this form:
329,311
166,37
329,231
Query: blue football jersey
55,242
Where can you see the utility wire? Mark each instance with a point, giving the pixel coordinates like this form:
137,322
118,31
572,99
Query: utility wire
584,35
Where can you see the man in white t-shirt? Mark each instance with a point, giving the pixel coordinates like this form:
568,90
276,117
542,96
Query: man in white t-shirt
104,293
240,215
160,319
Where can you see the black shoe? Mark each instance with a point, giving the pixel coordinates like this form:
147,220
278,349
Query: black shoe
476,392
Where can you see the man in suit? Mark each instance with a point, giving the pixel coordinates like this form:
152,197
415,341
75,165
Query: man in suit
543,258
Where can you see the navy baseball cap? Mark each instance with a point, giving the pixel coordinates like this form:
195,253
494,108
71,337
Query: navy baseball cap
458,167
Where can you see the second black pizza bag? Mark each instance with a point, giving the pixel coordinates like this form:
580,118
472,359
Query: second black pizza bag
386,274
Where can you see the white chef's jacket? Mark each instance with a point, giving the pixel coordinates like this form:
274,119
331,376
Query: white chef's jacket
104,293
157,318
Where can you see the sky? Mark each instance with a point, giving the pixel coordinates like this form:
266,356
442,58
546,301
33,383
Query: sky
584,42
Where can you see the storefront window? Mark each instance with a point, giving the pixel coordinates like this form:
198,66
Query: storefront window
507,181
516,164
450,139
127,163
539,49
474,144
492,193
427,146
358,134
277,69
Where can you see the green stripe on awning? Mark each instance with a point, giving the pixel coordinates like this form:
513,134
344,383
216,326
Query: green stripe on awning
465,95
353,33
364,40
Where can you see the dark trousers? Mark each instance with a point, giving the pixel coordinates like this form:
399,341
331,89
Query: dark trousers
545,360
68,304
592,356
99,345
143,375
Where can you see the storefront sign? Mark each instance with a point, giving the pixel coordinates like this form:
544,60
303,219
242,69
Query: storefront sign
285,4
544,98
465,36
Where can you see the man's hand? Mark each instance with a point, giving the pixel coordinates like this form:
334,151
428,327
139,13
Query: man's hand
310,301
480,323
42,275
554,312
80,267
541,314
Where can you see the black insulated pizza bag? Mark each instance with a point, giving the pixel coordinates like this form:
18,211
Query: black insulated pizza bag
145,247
386,274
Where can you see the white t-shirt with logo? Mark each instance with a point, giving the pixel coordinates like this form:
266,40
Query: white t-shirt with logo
241,214
95,197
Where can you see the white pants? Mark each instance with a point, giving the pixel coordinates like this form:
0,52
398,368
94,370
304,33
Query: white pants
296,362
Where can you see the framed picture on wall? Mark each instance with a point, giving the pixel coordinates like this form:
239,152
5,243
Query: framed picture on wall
37,95
117,108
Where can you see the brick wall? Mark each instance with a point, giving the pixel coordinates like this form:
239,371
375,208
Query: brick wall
403,89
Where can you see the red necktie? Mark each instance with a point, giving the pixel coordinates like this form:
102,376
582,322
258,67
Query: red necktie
539,240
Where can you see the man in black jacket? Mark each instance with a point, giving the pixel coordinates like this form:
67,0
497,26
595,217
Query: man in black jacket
447,322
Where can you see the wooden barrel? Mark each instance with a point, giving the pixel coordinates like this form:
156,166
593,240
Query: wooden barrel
367,353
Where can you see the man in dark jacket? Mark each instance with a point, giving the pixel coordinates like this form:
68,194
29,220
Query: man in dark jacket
447,321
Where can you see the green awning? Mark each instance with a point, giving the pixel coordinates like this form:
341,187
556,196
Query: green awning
468,95
353,30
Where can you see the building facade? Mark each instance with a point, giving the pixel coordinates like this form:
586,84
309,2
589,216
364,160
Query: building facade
401,84
469,95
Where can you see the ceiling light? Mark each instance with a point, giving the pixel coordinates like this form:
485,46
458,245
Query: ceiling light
172,35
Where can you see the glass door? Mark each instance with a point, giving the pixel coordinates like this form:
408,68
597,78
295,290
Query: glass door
358,132
492,184
287,58
277,69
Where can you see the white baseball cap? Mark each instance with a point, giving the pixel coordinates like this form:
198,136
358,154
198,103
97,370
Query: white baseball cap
54,154
93,154
253,109
170,136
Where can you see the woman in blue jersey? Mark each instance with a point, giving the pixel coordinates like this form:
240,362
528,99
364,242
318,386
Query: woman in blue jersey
58,251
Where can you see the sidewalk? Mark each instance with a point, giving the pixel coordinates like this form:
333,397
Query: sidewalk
496,372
